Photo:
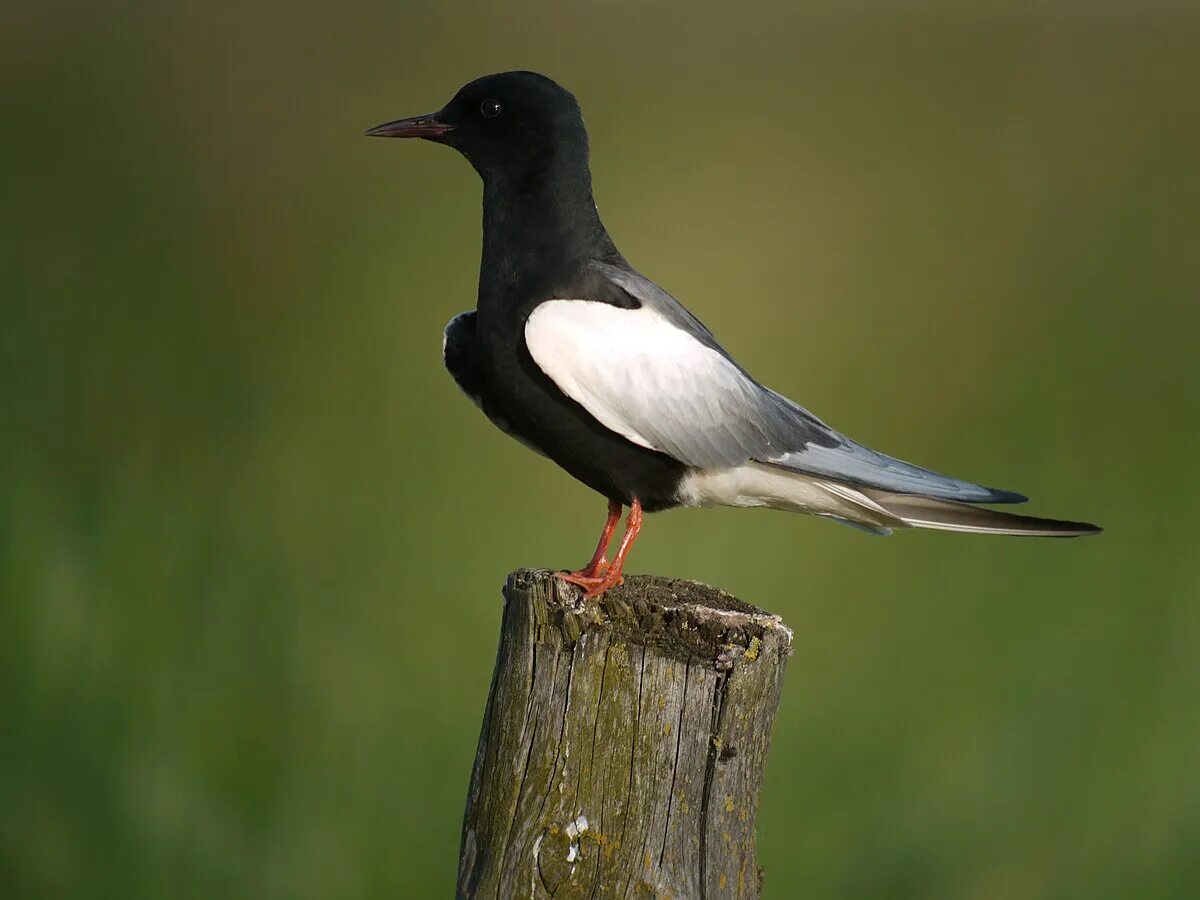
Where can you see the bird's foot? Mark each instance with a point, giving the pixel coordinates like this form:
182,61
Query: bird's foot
599,575
593,585
594,569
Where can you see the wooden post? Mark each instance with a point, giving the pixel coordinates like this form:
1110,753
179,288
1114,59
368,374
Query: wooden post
623,744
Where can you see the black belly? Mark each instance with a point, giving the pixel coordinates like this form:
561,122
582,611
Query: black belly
518,397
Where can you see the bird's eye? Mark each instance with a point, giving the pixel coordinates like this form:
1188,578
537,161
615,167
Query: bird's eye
489,109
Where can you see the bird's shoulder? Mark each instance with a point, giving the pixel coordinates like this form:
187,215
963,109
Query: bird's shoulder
588,282
616,284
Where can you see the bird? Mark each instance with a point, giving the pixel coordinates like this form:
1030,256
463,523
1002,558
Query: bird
577,355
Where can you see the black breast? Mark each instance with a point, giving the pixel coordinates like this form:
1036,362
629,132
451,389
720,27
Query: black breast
460,353
533,407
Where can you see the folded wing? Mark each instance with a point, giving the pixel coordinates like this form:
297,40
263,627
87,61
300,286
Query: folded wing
656,376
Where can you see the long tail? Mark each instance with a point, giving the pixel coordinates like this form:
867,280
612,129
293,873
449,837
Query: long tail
949,515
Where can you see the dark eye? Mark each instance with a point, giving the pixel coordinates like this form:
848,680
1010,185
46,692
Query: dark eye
489,109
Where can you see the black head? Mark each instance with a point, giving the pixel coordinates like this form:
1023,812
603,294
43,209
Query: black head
511,126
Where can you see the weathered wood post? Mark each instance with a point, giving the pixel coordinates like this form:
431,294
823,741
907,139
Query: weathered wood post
623,744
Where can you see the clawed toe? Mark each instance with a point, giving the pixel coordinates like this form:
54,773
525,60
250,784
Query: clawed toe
593,586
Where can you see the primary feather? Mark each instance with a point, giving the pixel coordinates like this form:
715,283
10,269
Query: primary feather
948,515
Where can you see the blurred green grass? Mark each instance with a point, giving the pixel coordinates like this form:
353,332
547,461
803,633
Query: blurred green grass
252,539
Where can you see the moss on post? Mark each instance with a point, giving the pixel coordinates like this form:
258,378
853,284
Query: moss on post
623,744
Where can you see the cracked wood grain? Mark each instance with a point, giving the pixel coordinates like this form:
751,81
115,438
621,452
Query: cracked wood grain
623,744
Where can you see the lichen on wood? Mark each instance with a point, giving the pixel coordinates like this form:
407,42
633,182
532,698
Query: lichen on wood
623,744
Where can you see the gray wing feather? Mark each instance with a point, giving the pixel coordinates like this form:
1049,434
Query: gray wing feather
750,422
855,464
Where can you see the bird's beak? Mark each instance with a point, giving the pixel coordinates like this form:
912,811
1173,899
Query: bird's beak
427,126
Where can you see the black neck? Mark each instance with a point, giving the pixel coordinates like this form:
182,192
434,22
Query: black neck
538,229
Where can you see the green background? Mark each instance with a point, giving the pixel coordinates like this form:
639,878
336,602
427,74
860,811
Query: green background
252,538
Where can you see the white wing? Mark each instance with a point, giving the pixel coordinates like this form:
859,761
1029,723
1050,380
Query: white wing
655,376
655,384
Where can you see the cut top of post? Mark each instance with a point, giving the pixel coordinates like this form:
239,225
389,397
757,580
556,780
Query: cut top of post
680,618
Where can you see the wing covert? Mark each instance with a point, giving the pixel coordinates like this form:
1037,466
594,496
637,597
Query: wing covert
658,386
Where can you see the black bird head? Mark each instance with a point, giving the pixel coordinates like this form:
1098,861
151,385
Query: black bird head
512,127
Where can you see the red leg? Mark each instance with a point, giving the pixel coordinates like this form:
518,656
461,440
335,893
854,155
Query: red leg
595,585
599,563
